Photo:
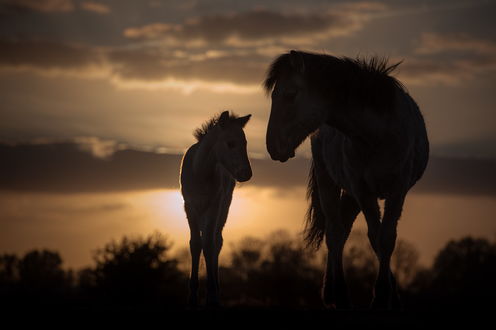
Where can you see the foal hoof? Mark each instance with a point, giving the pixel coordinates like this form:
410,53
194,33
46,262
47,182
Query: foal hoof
342,305
192,304
381,304
213,305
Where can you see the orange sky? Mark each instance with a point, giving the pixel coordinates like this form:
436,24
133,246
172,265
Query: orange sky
77,224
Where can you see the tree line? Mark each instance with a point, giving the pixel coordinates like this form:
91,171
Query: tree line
274,272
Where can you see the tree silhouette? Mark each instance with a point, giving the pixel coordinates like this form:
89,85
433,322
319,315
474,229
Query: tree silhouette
276,271
137,272
465,270
404,263
41,271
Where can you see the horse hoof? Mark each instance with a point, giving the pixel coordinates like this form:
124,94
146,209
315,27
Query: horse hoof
340,306
192,305
381,305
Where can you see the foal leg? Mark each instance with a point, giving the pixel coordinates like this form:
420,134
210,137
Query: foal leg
385,288
210,252
219,240
195,246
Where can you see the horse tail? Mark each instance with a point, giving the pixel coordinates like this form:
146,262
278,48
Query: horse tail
315,221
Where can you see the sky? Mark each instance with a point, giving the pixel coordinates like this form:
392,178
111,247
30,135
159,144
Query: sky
98,100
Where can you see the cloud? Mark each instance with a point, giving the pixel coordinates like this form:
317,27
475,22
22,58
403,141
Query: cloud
433,43
69,167
448,59
429,71
150,67
95,7
256,27
224,52
156,65
46,55
45,6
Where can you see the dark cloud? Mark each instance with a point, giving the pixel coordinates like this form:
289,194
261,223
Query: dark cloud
142,64
155,65
66,167
433,43
448,59
247,27
46,55
46,6
234,47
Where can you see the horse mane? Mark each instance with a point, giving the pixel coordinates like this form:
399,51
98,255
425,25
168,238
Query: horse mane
203,130
364,79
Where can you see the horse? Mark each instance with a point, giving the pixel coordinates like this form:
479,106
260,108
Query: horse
368,142
209,171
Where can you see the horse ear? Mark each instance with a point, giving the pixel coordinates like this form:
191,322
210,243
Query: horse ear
243,120
223,119
297,61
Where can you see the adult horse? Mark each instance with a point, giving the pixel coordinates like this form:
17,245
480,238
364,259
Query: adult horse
369,142
209,171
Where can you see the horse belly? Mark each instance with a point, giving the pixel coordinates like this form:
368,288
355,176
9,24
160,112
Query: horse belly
350,170
333,143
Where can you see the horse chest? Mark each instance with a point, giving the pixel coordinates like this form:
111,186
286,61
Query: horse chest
208,194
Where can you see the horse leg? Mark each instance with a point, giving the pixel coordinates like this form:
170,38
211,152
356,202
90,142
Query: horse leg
195,246
385,288
371,211
348,211
219,240
209,252
334,292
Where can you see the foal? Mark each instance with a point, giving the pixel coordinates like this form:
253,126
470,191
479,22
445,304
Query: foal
209,171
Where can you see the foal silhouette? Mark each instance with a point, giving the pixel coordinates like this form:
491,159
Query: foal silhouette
209,171
369,142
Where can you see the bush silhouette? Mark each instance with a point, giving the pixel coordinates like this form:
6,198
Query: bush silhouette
41,271
274,272
465,270
137,272
278,271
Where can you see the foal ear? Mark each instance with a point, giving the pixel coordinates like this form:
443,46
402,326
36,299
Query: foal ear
297,61
243,120
223,119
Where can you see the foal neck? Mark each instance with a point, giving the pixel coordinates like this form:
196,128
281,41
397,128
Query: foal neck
206,158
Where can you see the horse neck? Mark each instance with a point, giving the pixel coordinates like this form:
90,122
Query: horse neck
356,123
353,118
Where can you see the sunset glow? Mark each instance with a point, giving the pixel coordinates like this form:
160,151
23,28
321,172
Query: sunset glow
99,100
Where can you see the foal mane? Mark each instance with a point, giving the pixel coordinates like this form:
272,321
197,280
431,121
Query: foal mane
364,79
203,130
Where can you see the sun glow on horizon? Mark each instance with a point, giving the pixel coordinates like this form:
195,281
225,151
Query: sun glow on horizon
168,204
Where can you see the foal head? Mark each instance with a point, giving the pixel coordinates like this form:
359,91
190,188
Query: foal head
230,148
296,112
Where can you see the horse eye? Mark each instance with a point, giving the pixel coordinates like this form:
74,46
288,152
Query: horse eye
231,144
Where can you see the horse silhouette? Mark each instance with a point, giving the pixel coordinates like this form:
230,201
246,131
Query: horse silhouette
369,142
209,171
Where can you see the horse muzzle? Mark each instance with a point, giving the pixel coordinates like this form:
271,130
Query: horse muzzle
244,175
282,157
